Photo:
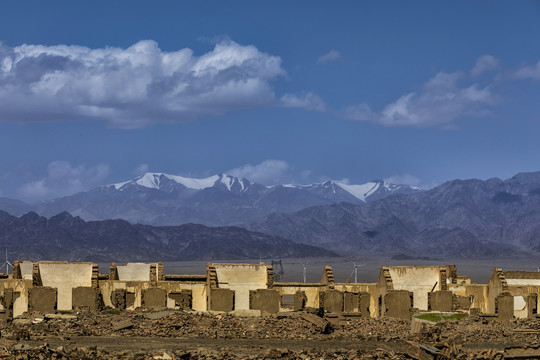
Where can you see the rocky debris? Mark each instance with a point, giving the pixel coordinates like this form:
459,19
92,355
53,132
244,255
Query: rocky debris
293,335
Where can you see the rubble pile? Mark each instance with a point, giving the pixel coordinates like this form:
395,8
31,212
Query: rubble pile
146,334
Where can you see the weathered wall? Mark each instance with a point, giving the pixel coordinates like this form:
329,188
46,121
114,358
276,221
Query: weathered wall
398,304
86,298
242,278
65,276
265,300
154,298
504,306
440,301
478,292
133,272
310,290
419,280
43,299
371,289
222,300
332,300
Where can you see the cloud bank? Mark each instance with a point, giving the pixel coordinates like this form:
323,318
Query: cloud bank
307,101
331,56
529,72
133,87
440,101
64,179
269,172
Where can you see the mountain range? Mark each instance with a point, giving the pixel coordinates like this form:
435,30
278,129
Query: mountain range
162,199
460,218
465,218
65,237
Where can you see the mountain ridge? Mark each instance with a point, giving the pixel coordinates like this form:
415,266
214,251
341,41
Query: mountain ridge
218,200
457,218
67,237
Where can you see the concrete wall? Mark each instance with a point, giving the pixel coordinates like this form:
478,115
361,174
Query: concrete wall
133,272
242,278
249,288
419,280
64,277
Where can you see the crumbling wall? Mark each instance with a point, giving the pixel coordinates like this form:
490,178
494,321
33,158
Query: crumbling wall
332,301
440,301
154,298
350,302
504,306
132,272
42,299
398,304
300,300
420,280
65,276
497,285
118,299
183,299
265,300
364,304
87,298
241,278
221,300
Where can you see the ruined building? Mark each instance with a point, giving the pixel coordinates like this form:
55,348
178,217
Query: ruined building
48,287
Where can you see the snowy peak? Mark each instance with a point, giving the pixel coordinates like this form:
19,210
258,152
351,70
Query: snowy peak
157,181
361,192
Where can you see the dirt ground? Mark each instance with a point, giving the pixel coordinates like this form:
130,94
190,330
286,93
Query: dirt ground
145,334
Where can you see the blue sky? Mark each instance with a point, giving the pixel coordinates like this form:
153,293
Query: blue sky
415,92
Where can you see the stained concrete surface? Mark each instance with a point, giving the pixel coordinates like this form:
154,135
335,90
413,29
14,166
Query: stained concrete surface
265,300
42,299
221,300
398,304
87,298
154,298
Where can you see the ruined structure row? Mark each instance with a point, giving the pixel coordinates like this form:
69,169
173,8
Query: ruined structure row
48,287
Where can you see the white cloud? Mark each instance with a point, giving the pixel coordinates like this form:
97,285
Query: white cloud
440,101
332,55
132,87
529,72
64,179
268,172
403,179
307,101
141,169
485,63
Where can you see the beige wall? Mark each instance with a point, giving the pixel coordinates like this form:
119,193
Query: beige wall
241,278
64,277
133,272
418,280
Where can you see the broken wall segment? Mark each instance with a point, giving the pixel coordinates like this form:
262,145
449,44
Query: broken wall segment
300,300
87,298
65,276
265,300
357,302
118,298
42,299
183,299
440,301
154,298
221,300
504,306
332,301
398,304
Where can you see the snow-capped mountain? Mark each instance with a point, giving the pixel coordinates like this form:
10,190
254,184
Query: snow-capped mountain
163,199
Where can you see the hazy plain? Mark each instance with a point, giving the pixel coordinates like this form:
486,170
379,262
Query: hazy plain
368,267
